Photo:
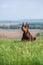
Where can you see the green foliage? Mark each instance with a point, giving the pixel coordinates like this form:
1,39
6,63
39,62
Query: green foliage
15,52
38,34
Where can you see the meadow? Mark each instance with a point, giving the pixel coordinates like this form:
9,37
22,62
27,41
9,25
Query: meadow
16,52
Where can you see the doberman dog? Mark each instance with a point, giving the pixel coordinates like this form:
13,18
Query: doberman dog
26,34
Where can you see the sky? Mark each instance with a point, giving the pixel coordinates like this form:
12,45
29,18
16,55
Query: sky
21,9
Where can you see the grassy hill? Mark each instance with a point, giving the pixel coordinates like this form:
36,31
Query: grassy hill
15,52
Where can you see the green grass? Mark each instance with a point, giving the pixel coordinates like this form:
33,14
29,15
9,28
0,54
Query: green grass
15,52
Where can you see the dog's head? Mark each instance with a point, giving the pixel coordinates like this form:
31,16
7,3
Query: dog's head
25,27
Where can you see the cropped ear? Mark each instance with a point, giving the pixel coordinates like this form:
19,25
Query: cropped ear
27,24
22,24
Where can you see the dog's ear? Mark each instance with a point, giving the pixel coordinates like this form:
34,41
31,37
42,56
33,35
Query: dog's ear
27,24
22,26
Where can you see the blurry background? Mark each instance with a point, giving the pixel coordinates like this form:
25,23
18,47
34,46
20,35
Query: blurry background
14,12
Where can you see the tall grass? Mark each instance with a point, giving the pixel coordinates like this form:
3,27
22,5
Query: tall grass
15,52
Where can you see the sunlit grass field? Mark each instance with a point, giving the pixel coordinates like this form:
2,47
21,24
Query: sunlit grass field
16,52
